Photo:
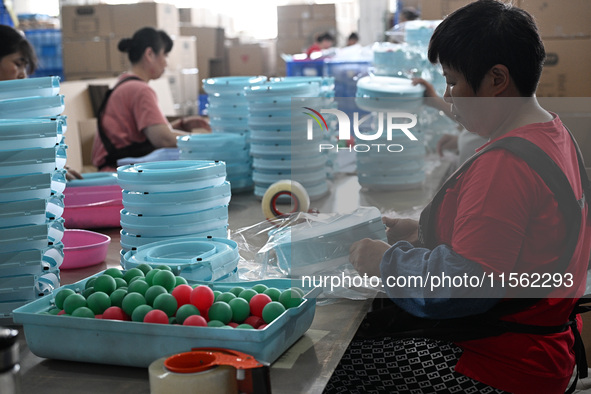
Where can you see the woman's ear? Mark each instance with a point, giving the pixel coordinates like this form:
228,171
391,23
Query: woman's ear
497,81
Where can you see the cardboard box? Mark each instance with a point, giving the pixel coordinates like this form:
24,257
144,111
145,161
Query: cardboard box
313,27
85,21
210,45
118,61
199,17
90,56
184,86
293,45
439,9
183,54
126,19
251,59
324,11
294,12
566,19
567,64
288,28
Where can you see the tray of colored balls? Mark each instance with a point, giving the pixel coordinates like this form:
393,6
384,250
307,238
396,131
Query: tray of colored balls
136,316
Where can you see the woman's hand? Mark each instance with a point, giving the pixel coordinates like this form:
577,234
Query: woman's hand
190,123
72,174
366,255
401,230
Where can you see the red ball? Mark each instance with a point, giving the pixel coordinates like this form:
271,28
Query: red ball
233,324
62,312
254,321
257,303
262,326
202,297
115,313
98,316
156,316
195,320
182,293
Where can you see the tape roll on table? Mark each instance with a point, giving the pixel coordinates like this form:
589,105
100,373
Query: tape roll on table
293,189
219,379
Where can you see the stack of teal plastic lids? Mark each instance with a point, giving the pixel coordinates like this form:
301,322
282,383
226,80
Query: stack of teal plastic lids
170,199
278,133
32,180
194,258
230,148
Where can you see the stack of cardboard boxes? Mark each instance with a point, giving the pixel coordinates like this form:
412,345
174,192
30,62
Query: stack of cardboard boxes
298,25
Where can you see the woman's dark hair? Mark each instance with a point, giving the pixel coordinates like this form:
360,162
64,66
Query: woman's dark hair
12,41
481,34
325,36
146,37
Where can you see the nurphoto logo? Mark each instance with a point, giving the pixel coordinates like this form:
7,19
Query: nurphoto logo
394,122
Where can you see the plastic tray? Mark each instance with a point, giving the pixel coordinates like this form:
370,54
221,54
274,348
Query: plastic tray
139,344
84,248
32,107
30,87
92,206
18,134
26,187
34,236
35,211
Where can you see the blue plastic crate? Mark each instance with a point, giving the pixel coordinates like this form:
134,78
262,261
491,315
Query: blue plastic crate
48,47
305,68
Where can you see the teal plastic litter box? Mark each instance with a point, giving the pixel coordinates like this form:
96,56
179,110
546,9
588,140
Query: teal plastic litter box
139,344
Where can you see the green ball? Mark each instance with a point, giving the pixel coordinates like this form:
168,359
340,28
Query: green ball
225,297
61,296
145,268
87,292
90,282
300,291
260,288
185,311
272,310
245,326
105,283
54,311
240,309
120,282
273,293
153,292
114,272
179,280
132,301
236,290
98,302
290,298
117,297
73,302
136,278
172,320
165,279
215,323
164,267
216,294
220,311
247,294
83,312
132,273
138,286
150,275
139,312
166,303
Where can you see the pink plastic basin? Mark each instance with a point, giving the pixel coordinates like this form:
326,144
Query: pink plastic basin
92,206
83,248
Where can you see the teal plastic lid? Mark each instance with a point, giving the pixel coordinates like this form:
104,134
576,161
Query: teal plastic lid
29,87
31,107
231,83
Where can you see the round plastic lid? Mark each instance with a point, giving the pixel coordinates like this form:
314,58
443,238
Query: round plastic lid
232,83
171,170
389,86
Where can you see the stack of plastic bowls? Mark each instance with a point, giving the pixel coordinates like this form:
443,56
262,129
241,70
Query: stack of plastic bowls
169,199
279,144
229,148
227,107
399,164
32,180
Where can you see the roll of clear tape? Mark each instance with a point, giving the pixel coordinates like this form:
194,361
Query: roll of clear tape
219,380
285,187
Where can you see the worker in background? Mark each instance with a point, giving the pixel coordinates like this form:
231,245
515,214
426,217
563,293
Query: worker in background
130,122
323,42
17,61
352,39
408,14
497,215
